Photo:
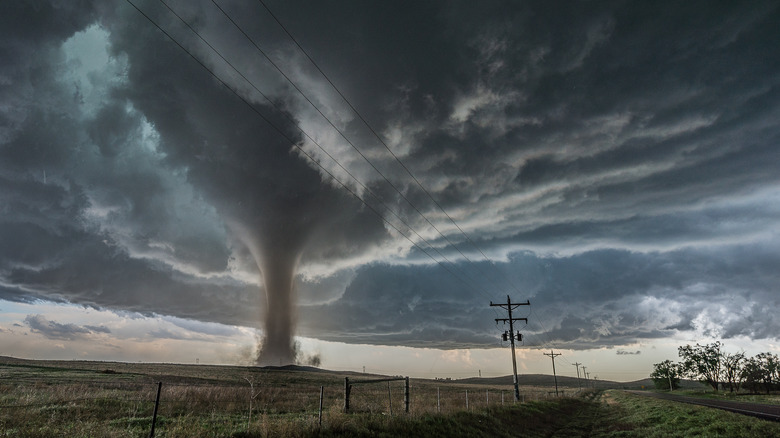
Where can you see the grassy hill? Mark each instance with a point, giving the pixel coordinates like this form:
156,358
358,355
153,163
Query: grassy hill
570,382
90,398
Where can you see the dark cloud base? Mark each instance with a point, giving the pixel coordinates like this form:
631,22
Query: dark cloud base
595,299
621,156
62,332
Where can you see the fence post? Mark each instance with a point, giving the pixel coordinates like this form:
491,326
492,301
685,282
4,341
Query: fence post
346,394
438,400
156,404
251,397
390,398
487,397
406,393
322,393
467,399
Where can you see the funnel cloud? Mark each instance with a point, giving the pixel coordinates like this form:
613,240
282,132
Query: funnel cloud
272,201
614,162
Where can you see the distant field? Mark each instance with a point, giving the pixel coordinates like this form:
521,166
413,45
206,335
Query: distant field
769,399
107,399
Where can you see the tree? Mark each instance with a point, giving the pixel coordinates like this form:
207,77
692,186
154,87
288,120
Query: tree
702,362
769,368
732,369
752,374
761,371
666,375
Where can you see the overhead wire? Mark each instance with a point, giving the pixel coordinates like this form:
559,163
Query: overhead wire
329,155
308,136
303,131
547,343
379,138
296,145
302,151
397,159
354,147
342,135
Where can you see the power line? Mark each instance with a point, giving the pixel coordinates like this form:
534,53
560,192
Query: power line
289,118
294,123
577,366
370,127
586,374
373,131
538,320
552,355
293,143
546,342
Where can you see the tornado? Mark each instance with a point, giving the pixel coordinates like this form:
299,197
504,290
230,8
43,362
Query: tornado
276,205
276,234
279,321
277,256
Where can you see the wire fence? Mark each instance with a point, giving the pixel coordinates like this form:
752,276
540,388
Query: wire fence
126,404
29,394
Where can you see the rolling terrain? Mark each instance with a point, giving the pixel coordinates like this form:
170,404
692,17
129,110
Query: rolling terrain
114,399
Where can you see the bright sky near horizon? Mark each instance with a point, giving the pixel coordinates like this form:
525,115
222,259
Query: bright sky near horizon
615,163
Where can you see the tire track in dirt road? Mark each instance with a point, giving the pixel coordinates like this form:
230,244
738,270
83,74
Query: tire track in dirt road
589,416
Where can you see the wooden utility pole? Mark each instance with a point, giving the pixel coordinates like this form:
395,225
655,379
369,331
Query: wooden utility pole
555,376
577,366
509,306
585,375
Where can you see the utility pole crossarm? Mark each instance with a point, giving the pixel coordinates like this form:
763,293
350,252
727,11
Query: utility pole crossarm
506,320
510,304
577,366
553,355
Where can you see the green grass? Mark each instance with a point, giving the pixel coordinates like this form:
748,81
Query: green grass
770,399
651,417
609,414
82,399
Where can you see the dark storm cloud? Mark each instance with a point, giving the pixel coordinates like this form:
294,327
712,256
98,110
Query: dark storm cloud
618,160
81,220
61,332
599,298
395,305
272,201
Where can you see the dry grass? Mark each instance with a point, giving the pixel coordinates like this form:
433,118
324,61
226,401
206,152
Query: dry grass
117,400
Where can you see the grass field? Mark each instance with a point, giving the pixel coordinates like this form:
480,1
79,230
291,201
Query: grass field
87,399
769,399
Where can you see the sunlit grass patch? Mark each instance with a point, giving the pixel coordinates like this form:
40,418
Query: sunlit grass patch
662,418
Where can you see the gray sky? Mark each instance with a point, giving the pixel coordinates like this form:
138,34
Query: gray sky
616,162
